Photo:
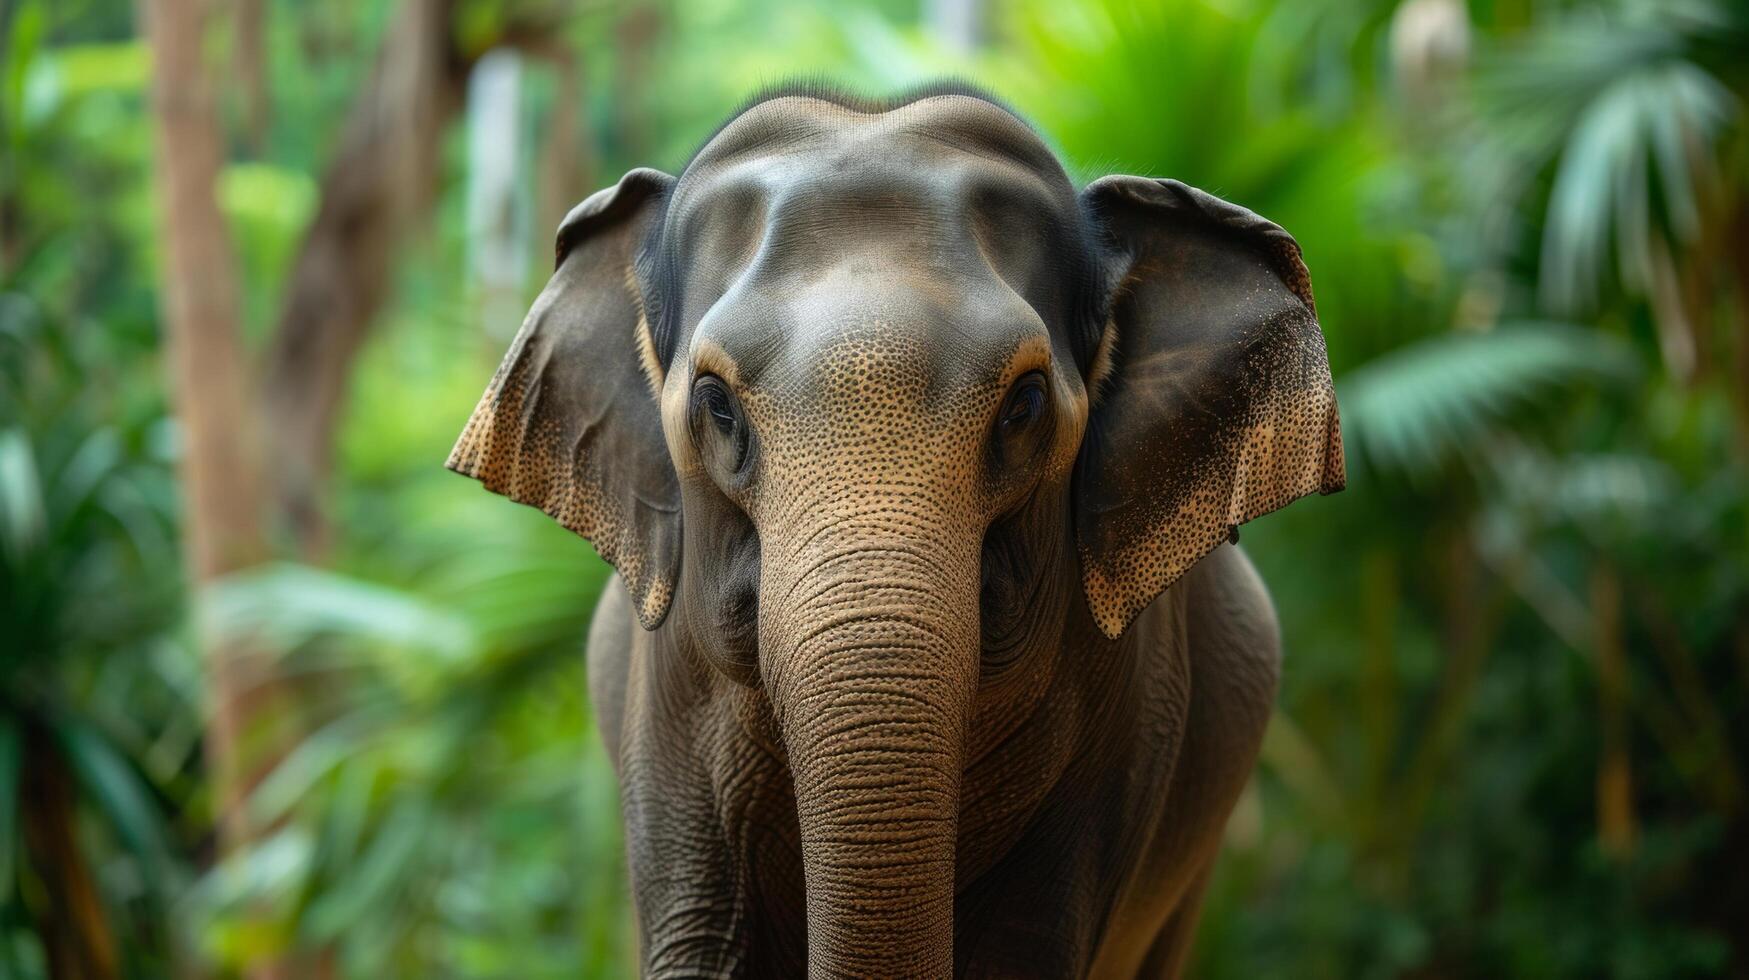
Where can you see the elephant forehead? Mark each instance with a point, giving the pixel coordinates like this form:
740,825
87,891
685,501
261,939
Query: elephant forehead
794,186
868,331
937,229
932,203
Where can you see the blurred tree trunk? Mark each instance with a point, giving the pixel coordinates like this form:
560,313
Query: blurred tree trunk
1376,682
497,212
383,176
220,475
250,65
75,933
1737,385
1617,826
220,471
565,173
1471,612
634,36
957,24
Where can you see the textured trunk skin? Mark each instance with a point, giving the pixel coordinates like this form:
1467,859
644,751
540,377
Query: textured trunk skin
871,659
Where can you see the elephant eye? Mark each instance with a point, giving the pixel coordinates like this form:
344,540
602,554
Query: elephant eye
713,405
1026,401
716,402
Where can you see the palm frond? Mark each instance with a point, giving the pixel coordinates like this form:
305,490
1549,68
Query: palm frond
22,511
1663,116
267,872
1416,409
110,781
287,605
1615,498
379,874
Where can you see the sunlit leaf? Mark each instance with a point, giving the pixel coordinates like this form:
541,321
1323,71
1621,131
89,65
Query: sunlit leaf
273,867
21,501
313,759
288,605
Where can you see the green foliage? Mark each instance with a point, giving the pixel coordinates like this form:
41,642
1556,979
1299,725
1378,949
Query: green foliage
448,811
1631,103
93,684
1528,267
1430,402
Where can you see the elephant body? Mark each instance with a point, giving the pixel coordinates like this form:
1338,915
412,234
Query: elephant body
1091,839
926,652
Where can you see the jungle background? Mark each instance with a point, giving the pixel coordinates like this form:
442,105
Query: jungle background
279,697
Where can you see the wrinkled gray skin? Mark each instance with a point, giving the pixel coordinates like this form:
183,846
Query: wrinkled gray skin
926,654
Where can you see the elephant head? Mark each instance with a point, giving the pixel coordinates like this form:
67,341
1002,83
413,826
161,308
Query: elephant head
870,403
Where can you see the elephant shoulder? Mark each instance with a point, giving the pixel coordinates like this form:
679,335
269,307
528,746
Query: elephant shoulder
1232,631
1234,646
1215,640
1233,642
1214,634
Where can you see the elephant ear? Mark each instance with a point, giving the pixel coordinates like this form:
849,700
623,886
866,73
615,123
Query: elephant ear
570,422
1212,395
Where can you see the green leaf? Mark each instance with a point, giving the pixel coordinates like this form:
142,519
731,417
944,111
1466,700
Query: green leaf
81,69
398,843
296,776
268,200
23,41
1419,407
239,897
1666,114
287,605
112,785
22,516
85,474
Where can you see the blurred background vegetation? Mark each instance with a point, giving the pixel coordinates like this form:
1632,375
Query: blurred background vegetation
281,698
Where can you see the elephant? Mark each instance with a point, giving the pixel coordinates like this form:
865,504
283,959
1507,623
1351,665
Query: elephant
929,649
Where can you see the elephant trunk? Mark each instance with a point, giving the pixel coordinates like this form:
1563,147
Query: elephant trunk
870,658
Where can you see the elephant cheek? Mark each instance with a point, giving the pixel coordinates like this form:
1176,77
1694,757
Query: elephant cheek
719,594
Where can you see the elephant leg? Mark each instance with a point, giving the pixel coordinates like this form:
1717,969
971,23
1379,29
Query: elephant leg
1234,652
693,919
693,909
1171,948
609,655
702,851
1236,646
